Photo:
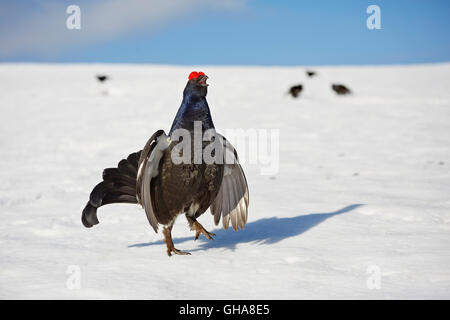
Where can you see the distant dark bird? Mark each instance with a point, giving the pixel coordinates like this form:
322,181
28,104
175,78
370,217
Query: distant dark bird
102,78
166,188
310,73
296,90
340,89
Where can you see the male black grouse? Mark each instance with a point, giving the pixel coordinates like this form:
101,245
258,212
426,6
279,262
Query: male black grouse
340,89
102,77
166,188
310,73
295,91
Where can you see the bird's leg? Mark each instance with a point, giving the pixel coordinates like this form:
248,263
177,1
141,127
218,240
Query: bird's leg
195,225
167,231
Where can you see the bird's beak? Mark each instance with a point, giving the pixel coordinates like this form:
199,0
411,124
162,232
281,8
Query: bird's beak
202,81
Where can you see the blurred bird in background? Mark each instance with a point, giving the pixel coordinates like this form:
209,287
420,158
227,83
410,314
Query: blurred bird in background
310,73
295,91
102,77
340,89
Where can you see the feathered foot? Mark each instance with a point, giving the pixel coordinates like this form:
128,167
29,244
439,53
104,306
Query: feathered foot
195,225
167,231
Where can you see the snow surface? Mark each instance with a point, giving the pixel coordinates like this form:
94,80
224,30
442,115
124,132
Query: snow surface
363,184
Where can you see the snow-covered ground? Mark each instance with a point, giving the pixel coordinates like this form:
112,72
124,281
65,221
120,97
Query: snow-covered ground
363,187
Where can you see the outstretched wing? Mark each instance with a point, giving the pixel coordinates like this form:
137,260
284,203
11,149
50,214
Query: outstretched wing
232,200
148,169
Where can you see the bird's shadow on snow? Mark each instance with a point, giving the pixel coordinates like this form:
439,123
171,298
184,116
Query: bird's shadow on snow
262,231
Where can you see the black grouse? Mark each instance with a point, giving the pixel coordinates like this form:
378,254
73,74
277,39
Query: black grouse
102,78
340,89
296,90
166,187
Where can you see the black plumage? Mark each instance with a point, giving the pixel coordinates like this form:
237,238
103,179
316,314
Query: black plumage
310,73
295,91
340,89
118,186
165,188
101,77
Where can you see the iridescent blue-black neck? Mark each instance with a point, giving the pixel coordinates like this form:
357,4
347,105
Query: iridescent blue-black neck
194,107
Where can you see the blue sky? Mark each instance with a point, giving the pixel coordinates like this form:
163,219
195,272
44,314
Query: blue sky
236,32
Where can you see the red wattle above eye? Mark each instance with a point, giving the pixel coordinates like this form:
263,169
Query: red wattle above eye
195,74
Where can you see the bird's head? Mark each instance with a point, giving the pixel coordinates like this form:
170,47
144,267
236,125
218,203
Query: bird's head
197,83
